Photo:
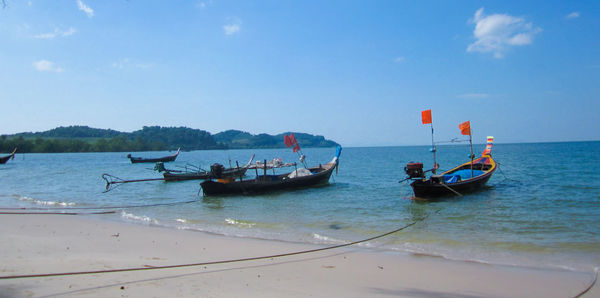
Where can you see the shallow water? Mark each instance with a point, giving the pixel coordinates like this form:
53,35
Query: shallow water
540,209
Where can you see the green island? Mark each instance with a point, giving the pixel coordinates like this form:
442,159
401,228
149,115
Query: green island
149,138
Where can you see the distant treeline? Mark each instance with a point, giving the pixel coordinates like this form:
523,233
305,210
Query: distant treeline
153,138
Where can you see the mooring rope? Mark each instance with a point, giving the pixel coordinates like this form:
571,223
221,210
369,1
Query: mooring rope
214,262
502,172
591,284
454,191
97,208
57,213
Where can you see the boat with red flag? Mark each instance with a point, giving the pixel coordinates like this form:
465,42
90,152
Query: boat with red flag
265,182
467,177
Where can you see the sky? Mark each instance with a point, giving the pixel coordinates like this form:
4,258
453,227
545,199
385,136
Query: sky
356,72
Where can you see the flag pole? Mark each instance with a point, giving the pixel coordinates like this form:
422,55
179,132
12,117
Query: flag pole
427,119
472,156
465,129
433,150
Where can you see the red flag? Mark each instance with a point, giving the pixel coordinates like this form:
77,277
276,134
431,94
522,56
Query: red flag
465,128
288,141
296,148
426,116
293,138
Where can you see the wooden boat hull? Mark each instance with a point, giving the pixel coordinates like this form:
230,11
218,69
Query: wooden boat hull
429,189
269,183
172,175
169,158
4,159
232,172
161,159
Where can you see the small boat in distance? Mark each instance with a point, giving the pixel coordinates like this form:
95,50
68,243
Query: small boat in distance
159,159
299,178
467,177
4,159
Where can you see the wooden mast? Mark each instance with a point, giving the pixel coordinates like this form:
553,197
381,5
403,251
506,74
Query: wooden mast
472,155
433,150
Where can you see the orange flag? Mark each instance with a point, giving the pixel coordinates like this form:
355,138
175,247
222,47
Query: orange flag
465,128
426,116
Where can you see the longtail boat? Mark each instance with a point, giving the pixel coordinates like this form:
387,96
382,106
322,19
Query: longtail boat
467,177
159,159
4,159
299,178
464,178
199,174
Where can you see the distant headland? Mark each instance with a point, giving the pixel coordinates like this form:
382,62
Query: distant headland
149,138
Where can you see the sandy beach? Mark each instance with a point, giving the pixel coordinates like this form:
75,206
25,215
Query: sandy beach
40,244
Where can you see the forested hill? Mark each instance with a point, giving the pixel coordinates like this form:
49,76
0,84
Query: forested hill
149,138
236,139
73,132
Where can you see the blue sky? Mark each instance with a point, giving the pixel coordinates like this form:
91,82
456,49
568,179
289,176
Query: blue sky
357,72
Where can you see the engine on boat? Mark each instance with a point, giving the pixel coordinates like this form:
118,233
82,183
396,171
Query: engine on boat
414,170
217,170
160,167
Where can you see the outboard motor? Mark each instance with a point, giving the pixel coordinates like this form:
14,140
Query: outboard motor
160,167
217,170
414,170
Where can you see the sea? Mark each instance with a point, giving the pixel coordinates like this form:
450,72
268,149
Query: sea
541,208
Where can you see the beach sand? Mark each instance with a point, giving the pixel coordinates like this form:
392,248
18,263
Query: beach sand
39,244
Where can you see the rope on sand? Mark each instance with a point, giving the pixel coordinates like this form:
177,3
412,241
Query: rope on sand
214,262
591,284
57,213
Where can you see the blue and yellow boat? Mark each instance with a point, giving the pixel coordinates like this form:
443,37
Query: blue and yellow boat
467,177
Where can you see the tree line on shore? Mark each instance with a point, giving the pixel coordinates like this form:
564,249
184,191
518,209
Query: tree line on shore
149,138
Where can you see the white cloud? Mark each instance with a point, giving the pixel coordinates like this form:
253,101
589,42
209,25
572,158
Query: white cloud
473,95
399,59
69,32
57,32
233,26
88,10
572,15
231,29
45,65
497,32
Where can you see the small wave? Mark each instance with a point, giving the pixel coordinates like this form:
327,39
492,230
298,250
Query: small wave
324,239
240,223
45,203
142,218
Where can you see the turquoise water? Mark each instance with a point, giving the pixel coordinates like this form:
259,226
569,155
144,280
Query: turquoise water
540,209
